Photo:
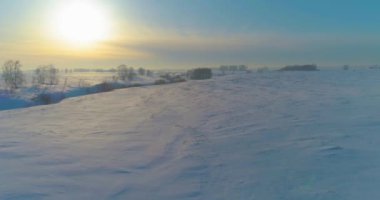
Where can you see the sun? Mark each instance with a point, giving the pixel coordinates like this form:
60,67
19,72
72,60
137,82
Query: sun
81,22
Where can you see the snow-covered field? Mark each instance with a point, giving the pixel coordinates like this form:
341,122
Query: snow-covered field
296,135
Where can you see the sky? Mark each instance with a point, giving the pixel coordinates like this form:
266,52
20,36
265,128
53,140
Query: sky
190,33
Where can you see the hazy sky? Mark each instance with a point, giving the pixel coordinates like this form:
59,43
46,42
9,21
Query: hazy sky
188,33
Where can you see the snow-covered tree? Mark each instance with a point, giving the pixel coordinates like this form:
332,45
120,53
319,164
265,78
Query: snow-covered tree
122,72
131,73
149,73
223,68
12,74
141,71
46,74
242,68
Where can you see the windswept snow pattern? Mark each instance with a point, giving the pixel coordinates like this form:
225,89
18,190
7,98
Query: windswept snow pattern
289,136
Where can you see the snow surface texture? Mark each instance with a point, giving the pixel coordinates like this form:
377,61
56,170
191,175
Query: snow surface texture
296,135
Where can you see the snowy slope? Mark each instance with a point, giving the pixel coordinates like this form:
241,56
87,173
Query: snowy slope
298,135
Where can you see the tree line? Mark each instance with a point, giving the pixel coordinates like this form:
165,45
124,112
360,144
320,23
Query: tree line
124,73
232,68
14,78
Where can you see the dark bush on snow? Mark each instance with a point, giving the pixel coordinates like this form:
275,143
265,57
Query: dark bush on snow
177,79
159,82
200,74
262,69
104,87
173,78
49,98
136,85
299,68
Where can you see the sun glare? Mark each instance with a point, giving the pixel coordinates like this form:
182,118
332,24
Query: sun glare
81,23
